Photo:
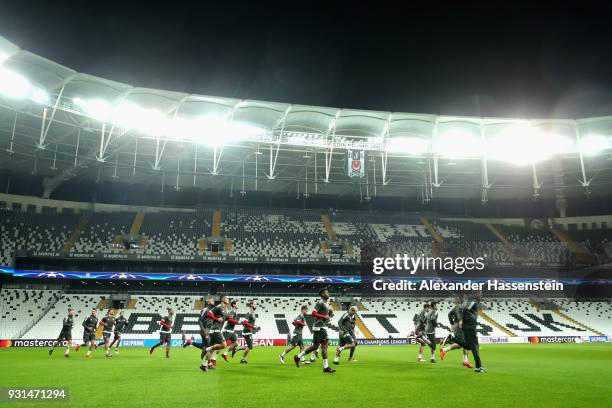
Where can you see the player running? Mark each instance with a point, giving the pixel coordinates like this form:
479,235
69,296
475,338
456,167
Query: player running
217,341
419,330
249,328
468,323
456,337
66,333
351,359
121,324
431,322
108,323
165,332
296,341
205,323
89,333
346,332
231,320
322,315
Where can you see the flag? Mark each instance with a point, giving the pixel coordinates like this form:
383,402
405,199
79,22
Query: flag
356,163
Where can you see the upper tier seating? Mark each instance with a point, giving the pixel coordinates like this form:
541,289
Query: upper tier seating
102,229
474,240
536,245
283,233
274,233
175,233
33,232
361,229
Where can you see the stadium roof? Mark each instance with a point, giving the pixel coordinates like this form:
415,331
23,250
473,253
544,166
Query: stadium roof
62,124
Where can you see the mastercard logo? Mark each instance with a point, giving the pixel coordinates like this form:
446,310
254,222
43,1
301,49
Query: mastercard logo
534,339
5,343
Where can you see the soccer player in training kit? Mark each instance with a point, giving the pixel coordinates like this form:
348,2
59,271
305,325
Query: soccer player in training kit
322,314
165,332
346,332
108,323
231,320
205,323
351,359
249,328
456,337
66,333
419,330
89,333
217,341
468,323
121,324
431,322
296,341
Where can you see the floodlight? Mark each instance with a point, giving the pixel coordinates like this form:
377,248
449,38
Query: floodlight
14,85
411,145
212,130
131,116
98,109
39,96
591,145
524,144
458,144
3,57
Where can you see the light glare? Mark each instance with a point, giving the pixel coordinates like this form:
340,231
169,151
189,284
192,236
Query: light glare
410,145
593,144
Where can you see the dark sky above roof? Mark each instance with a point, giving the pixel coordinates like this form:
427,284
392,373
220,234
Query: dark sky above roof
489,60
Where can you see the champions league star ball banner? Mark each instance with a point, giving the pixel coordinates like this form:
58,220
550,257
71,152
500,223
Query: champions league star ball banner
356,163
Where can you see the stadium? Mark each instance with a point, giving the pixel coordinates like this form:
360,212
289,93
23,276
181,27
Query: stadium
163,207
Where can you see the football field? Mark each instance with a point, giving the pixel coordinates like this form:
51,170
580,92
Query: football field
538,375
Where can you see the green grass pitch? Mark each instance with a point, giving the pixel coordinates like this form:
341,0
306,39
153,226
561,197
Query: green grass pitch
541,375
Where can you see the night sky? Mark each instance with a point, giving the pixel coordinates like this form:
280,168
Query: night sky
489,60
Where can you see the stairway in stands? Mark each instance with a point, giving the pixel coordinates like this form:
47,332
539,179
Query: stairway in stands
507,245
558,312
75,234
581,253
492,321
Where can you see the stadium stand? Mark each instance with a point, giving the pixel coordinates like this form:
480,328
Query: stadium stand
258,232
274,233
473,239
537,245
102,230
401,231
20,307
175,232
382,317
33,231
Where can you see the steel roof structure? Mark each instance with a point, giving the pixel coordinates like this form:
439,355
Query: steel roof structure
63,124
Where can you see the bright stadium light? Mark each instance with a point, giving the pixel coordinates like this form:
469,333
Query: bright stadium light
410,145
591,145
523,144
14,85
218,131
3,57
98,109
39,96
212,130
456,144
131,116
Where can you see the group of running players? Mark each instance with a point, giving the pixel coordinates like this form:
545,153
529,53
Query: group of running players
218,320
110,324
462,335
